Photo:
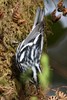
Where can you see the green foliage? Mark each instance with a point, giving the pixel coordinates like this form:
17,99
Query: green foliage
45,75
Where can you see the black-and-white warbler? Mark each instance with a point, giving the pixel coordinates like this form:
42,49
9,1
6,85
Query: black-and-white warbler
29,50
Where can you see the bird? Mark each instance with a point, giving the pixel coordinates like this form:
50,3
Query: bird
29,51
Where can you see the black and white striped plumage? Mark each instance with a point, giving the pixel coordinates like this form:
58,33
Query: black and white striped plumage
29,50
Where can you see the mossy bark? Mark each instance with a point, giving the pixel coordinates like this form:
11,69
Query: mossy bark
16,20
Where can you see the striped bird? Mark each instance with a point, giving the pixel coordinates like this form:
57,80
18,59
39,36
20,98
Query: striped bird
29,51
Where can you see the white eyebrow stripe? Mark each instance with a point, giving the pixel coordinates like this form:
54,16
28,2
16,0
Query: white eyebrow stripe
22,56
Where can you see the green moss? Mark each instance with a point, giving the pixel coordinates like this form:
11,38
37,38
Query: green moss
33,98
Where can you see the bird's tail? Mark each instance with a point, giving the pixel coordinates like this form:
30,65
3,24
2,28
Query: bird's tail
37,26
39,17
